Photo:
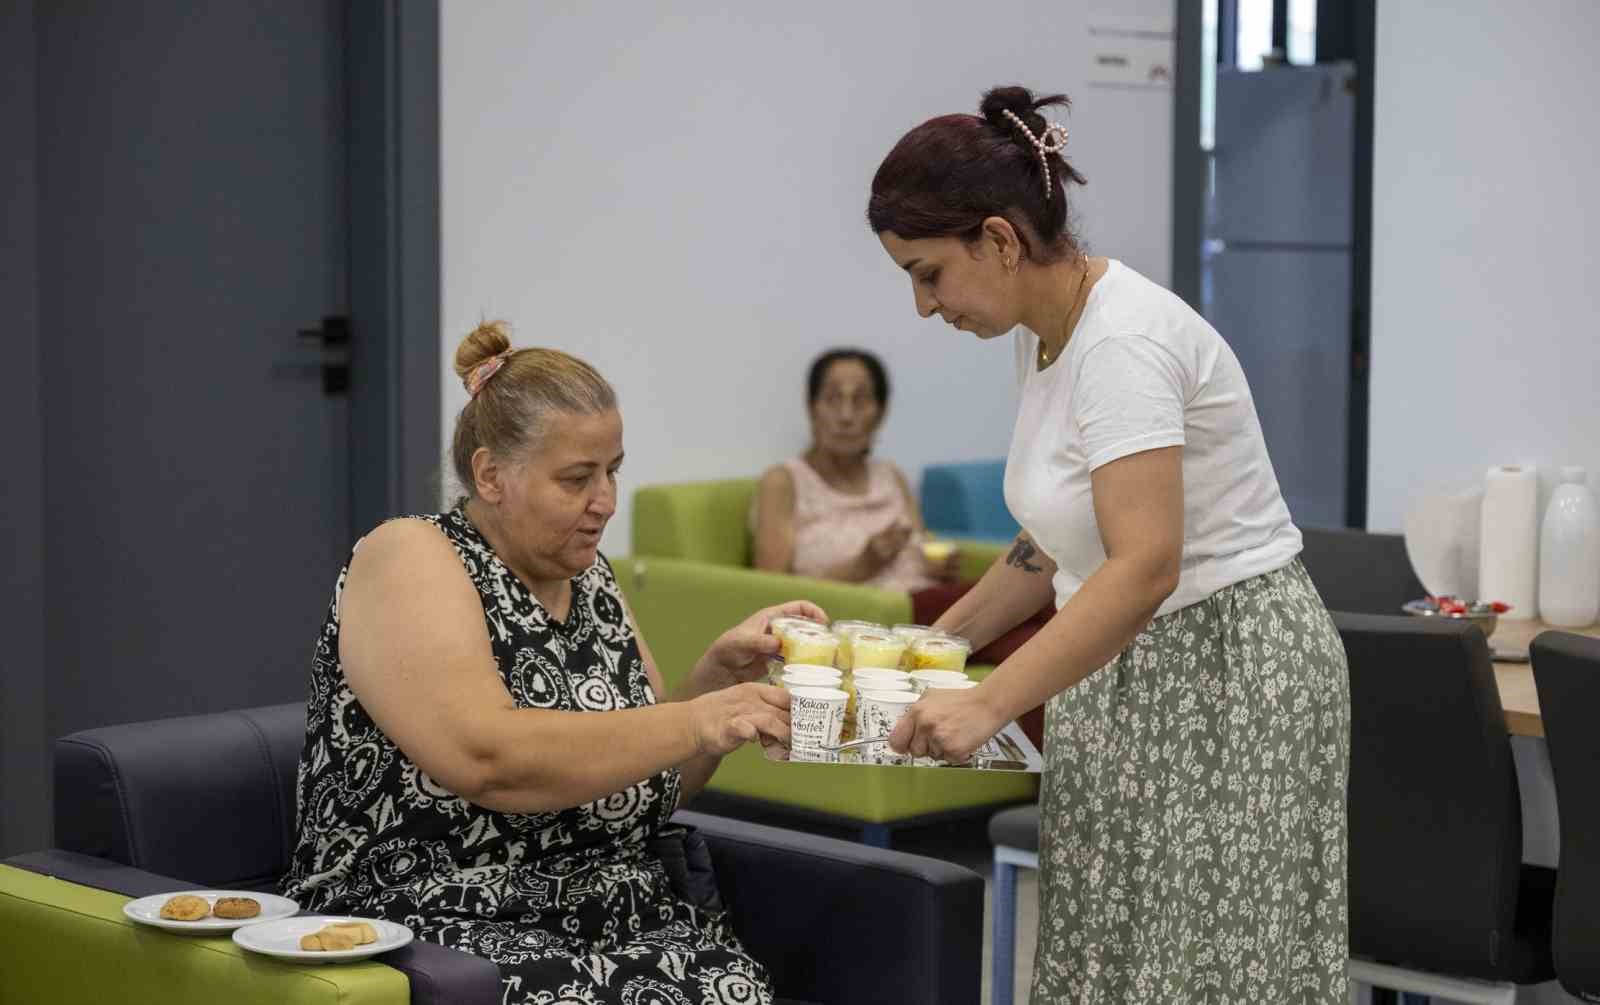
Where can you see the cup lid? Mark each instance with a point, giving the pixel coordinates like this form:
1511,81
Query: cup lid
809,629
942,642
926,675
877,635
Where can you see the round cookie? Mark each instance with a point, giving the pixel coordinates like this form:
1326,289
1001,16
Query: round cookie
237,908
185,907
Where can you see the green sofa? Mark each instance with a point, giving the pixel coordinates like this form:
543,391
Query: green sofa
689,579
62,939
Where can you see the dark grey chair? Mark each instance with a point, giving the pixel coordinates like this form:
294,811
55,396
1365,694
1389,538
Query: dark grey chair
125,797
1566,671
1358,571
1440,901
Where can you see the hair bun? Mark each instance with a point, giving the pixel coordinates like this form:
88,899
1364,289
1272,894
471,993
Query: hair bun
1018,100
489,339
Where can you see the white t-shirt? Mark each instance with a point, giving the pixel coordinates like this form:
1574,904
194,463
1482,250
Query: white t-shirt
1143,371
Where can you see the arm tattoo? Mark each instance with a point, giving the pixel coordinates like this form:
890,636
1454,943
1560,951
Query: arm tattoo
1020,553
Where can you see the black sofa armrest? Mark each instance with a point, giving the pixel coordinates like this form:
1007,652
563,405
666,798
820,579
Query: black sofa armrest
438,976
841,923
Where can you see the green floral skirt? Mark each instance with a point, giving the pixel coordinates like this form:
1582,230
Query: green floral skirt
1192,820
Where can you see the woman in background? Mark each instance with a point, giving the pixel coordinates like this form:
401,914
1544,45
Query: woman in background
836,512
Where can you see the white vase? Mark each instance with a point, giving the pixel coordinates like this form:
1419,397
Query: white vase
1569,554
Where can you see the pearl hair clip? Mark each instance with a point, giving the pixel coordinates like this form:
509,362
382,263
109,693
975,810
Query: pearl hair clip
1053,141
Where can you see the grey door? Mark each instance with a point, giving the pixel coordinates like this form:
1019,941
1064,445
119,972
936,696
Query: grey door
192,217
1286,313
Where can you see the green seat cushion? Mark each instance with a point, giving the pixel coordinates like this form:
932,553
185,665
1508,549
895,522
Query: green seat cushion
62,942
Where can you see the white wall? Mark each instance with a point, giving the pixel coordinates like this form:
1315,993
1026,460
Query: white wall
1486,303
679,198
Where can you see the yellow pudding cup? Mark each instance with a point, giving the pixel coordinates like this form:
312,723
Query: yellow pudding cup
780,627
814,644
909,634
846,630
940,652
876,649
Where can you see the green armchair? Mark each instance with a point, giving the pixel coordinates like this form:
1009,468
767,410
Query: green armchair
689,579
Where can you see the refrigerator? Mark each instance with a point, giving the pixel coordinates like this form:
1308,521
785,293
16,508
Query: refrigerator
1277,267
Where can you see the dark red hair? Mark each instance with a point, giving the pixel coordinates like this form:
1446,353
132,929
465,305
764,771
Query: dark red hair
948,175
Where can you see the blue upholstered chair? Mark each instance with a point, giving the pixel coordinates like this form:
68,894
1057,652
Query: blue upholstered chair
967,500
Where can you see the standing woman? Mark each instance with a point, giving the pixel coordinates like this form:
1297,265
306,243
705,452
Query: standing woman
1192,819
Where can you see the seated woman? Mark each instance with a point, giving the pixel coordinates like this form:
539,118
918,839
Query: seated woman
834,512
490,753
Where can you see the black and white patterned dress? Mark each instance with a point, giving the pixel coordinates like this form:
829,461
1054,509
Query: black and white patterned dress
572,905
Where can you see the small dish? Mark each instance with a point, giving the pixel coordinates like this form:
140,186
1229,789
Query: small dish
1486,621
147,910
281,939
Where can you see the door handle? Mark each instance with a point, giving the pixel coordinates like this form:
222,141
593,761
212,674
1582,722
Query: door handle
334,337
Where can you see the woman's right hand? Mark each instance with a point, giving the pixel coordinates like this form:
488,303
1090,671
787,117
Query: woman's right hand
726,719
886,544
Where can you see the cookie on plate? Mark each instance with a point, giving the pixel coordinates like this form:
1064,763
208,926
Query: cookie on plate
185,907
339,935
236,908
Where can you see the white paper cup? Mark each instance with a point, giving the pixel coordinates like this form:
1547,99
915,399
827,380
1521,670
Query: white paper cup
875,675
876,714
949,685
808,675
813,668
921,680
816,717
791,680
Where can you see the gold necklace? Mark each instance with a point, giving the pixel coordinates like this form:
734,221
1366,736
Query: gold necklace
1083,280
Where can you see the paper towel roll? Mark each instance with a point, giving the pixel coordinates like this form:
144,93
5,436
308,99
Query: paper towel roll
1508,548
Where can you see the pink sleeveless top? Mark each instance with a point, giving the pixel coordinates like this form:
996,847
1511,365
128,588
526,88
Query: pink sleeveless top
831,527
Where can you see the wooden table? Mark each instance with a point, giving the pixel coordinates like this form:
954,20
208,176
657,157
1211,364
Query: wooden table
1517,694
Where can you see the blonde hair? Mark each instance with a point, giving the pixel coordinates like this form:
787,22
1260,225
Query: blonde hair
509,413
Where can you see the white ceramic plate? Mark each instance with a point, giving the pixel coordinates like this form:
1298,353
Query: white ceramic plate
282,939
147,910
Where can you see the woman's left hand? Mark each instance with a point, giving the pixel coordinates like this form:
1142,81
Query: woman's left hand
740,654
948,725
